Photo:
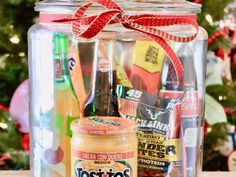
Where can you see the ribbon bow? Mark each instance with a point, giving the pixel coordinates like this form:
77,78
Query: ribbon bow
144,23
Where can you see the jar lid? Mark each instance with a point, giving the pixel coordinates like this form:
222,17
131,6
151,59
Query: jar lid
129,6
103,126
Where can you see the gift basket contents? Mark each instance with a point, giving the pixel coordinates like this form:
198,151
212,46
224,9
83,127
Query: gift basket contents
116,89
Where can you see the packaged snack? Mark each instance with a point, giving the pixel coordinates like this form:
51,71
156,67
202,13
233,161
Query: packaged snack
159,143
148,58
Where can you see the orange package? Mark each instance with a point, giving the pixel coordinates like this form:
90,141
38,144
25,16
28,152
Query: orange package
76,73
148,58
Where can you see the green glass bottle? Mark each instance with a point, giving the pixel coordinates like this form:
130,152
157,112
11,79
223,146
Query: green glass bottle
67,109
102,100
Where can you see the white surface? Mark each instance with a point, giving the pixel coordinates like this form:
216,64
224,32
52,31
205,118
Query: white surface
204,174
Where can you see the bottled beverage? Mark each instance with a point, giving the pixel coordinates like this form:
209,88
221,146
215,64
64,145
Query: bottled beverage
189,106
102,100
169,78
67,109
190,110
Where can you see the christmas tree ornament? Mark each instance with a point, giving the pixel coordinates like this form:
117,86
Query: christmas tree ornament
198,1
25,142
19,106
3,108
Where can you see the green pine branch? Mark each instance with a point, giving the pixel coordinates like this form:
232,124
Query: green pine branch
16,16
225,94
10,139
211,155
214,8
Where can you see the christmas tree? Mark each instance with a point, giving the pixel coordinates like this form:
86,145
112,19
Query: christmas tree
16,16
219,139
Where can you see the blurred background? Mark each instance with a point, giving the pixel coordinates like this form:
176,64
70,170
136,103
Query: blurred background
218,17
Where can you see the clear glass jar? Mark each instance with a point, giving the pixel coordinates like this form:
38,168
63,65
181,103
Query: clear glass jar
117,59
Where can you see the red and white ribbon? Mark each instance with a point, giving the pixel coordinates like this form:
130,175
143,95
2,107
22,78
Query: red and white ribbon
145,24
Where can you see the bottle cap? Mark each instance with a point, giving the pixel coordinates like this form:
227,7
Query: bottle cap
103,126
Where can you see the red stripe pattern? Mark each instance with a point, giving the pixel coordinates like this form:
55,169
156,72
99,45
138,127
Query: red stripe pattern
145,24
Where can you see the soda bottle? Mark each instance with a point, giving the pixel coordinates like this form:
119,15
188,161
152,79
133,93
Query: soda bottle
67,106
190,109
102,100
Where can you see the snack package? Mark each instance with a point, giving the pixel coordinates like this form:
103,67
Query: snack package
76,72
159,136
148,58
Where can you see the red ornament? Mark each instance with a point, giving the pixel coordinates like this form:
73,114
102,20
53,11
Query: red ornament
221,53
198,1
233,36
234,60
25,142
19,106
230,111
3,108
4,157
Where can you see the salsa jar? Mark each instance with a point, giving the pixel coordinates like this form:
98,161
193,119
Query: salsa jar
104,146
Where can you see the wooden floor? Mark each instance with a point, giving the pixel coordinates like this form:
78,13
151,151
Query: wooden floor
204,174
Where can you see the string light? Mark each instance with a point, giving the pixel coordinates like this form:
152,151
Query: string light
22,54
3,125
15,39
209,129
3,59
209,19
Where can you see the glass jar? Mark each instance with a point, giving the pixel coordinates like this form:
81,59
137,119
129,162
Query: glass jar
137,62
115,153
